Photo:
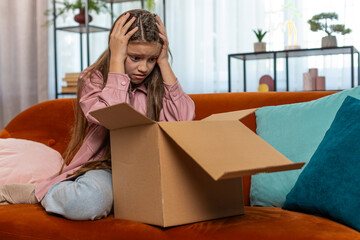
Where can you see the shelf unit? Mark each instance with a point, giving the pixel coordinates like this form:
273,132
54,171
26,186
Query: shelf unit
274,55
84,29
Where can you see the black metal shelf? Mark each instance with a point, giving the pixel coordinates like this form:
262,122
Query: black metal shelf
295,53
67,93
82,29
292,54
86,29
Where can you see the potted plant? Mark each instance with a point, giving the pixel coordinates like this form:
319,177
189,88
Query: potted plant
78,6
259,46
150,5
320,22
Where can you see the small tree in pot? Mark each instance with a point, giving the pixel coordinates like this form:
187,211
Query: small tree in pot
320,22
260,46
78,6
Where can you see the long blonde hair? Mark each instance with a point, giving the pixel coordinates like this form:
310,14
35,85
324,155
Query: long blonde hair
147,32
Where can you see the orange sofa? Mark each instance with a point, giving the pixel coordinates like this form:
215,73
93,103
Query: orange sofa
50,122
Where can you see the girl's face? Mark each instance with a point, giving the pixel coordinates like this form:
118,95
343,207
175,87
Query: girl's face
141,59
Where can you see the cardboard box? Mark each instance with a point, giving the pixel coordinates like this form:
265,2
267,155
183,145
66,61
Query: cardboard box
173,173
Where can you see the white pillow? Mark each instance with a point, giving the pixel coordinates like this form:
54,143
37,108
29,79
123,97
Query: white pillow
25,161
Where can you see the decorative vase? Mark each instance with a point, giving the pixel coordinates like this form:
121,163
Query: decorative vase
320,83
80,18
308,83
328,41
259,47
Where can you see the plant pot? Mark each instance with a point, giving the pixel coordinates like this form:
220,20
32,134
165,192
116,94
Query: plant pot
259,47
328,41
80,18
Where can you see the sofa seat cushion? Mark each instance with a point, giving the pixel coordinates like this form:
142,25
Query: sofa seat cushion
30,221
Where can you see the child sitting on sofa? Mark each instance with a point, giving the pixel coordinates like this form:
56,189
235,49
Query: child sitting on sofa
134,69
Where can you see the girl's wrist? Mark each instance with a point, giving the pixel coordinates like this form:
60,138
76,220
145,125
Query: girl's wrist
163,62
167,73
117,66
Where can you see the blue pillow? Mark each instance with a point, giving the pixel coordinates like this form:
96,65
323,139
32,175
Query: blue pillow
329,186
296,131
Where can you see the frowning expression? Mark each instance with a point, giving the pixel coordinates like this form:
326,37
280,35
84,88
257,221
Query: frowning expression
141,60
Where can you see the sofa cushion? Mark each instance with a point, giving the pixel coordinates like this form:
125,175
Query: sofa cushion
25,161
296,131
329,186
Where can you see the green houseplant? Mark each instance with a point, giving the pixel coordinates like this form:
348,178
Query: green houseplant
259,46
78,6
150,5
322,22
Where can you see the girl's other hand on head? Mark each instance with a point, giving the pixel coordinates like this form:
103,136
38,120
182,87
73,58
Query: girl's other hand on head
163,57
119,38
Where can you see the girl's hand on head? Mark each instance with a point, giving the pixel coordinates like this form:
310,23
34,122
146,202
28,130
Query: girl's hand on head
119,39
163,57
165,68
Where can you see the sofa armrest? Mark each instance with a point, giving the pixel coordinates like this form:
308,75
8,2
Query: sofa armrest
48,122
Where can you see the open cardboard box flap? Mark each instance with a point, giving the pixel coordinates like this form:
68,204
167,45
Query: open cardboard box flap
234,115
226,149
120,116
222,145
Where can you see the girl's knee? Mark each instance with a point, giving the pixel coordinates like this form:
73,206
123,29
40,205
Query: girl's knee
89,197
92,202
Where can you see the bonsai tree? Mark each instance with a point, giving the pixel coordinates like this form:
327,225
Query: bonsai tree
320,22
260,34
96,6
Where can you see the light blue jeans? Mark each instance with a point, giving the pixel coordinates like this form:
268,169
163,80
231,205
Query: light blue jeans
88,197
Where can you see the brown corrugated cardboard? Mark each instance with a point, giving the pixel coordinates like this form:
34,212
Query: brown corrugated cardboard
172,173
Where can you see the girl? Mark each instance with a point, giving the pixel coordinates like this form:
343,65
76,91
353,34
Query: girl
134,69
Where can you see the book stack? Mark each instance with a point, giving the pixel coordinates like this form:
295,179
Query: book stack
71,82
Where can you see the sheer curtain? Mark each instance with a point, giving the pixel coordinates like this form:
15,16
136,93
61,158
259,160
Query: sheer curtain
23,56
203,32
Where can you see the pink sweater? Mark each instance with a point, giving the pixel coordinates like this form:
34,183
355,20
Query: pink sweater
177,106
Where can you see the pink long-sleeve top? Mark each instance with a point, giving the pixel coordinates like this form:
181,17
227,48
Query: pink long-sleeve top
177,106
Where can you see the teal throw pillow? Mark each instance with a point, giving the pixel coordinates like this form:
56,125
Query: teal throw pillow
296,131
329,186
